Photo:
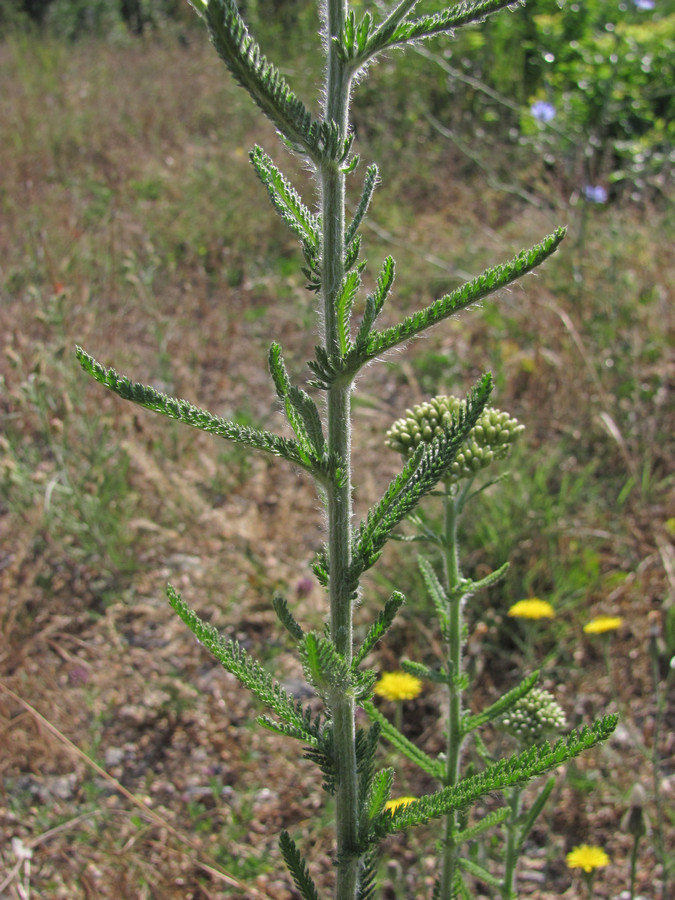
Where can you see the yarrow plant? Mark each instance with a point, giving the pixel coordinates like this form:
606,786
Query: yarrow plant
354,333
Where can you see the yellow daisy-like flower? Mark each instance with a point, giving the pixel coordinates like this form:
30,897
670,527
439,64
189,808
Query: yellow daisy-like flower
601,624
534,608
392,805
587,858
398,686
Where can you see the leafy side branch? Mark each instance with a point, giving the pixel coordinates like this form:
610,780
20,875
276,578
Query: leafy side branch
516,770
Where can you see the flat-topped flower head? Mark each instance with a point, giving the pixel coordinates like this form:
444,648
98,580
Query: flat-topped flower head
489,439
532,608
587,858
398,686
603,624
392,805
535,717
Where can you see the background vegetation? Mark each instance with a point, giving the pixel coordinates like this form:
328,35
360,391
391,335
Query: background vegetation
127,225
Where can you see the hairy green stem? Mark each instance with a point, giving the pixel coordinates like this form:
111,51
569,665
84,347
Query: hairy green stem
454,735
332,182
508,889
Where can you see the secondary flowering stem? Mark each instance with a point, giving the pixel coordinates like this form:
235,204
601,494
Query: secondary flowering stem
508,888
454,736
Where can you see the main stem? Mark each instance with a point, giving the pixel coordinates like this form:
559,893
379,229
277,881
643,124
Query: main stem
332,181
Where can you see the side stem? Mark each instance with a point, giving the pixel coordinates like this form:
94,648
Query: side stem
454,735
508,889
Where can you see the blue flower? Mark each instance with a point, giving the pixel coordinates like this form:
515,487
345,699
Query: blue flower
542,110
644,4
596,193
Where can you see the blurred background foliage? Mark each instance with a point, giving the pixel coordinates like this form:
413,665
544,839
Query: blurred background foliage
586,86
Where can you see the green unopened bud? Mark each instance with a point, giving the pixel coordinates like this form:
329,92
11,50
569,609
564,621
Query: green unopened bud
634,820
535,717
489,439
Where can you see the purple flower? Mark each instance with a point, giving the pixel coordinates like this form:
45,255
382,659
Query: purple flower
304,587
542,110
595,193
644,4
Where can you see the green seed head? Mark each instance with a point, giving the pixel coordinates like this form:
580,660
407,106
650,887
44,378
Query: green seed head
489,439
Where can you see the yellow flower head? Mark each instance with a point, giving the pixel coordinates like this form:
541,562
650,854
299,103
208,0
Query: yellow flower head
601,624
534,608
398,686
587,858
392,805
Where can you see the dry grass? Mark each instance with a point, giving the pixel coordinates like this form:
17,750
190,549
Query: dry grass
131,224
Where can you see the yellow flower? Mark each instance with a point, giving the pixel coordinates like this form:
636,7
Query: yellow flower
392,805
534,608
601,624
587,858
398,686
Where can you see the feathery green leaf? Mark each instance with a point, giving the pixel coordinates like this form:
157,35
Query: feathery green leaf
366,745
491,280
287,201
324,757
478,871
251,69
354,38
534,812
445,21
407,748
381,36
499,707
286,617
323,665
352,254
232,656
297,867
516,770
379,627
184,411
379,794
368,875
369,185
436,590
489,820
301,410
374,304
345,304
422,671
469,588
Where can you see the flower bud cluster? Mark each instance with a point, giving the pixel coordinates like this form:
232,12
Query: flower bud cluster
534,717
489,439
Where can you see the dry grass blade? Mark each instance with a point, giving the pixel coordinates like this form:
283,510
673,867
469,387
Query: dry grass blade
210,867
